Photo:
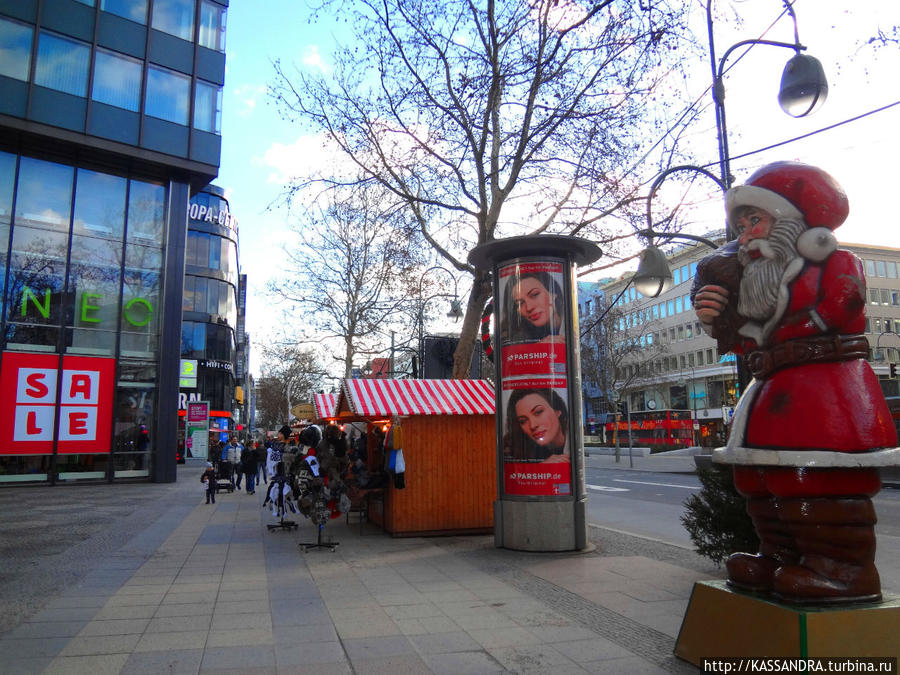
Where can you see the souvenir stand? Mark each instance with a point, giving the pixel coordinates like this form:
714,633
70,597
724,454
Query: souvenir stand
448,447
325,413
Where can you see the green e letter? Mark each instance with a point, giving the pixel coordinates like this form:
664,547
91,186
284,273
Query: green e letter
85,307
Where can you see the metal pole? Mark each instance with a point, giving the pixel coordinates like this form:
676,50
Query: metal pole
630,441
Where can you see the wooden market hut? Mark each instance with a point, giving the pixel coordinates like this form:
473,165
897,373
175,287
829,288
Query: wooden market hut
449,447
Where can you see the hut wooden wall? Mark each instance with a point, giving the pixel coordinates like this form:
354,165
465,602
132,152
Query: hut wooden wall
451,476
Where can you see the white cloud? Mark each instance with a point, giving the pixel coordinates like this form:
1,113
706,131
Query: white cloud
312,57
246,96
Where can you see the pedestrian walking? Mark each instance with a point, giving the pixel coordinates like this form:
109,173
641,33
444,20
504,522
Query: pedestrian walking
261,463
233,455
209,478
249,464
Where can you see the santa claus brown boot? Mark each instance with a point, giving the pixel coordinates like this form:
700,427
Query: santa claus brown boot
754,572
836,537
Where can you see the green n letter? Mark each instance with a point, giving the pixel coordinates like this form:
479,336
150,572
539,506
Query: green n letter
43,309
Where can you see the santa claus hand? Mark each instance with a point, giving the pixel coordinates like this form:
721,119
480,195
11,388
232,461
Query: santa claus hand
709,302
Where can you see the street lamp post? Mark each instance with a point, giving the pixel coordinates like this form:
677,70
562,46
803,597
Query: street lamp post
803,85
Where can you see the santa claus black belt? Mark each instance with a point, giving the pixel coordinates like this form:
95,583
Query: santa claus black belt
763,362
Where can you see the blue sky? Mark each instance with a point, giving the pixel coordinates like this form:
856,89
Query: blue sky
258,149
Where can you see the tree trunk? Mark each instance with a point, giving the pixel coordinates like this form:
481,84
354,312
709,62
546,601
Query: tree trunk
481,291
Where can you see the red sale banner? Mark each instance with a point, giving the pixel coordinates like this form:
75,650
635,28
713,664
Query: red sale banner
29,387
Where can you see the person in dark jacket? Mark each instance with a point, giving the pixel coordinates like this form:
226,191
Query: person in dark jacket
209,477
249,465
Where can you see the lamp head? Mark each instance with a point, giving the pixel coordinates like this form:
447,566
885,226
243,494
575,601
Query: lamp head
455,312
653,276
803,86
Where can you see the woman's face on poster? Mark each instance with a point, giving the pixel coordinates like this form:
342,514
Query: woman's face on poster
533,302
540,421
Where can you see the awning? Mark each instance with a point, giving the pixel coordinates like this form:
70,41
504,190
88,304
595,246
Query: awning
325,405
384,397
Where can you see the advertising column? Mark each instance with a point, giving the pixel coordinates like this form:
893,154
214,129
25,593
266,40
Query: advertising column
540,449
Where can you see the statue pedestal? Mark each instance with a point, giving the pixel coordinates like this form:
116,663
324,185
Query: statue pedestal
720,623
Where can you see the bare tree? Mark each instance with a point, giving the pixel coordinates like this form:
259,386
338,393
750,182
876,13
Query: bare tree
349,271
620,348
290,375
489,118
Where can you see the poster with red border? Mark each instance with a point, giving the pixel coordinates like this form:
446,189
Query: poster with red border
28,403
536,452
532,319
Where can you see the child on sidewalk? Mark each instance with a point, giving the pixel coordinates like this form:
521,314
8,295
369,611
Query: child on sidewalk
209,477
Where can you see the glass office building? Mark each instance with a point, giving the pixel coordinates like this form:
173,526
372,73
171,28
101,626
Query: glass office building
109,123
209,341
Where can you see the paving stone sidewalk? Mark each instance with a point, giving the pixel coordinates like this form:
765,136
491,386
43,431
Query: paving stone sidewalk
146,579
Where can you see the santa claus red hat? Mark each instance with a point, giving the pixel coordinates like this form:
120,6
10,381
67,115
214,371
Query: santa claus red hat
793,190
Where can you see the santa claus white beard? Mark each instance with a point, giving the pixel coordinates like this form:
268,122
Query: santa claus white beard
761,277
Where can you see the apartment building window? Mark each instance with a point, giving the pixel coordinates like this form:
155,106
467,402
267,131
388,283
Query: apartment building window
135,10
684,273
700,358
683,362
672,334
676,276
691,360
117,80
211,33
678,306
208,108
885,296
688,331
680,333
880,268
891,270
709,355
167,95
62,64
15,45
870,268
895,298
175,17
670,307
874,296
693,270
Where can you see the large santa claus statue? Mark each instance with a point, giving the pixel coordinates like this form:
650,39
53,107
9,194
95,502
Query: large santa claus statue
812,428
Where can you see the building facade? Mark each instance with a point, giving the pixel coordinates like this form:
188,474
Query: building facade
654,355
214,346
109,121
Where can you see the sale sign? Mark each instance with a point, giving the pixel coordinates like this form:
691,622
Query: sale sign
35,391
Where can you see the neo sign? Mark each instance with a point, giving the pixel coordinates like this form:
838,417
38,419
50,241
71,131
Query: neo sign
35,391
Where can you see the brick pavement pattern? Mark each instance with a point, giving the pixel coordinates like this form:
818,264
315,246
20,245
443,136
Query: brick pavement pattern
146,578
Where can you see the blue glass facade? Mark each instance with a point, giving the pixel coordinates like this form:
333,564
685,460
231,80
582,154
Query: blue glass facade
108,124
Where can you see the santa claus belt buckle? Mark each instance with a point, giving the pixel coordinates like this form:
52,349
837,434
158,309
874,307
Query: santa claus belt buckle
759,364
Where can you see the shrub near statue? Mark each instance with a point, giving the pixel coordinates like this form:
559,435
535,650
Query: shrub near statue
813,427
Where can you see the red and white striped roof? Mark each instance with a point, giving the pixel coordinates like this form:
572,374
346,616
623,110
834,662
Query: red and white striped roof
383,397
325,405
